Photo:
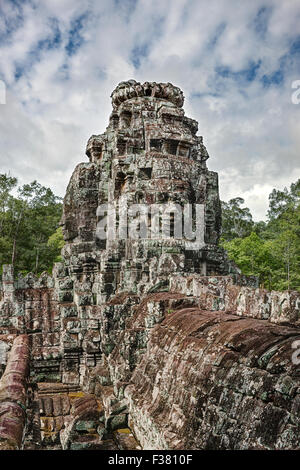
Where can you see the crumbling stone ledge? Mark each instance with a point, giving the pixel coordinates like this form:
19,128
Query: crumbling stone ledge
231,294
211,380
13,395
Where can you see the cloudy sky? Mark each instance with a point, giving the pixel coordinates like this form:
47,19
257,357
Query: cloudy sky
234,60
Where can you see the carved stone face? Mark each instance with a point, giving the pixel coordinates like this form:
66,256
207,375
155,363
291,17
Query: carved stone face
149,154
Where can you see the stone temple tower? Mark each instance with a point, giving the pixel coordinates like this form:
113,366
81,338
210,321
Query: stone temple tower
152,341
150,154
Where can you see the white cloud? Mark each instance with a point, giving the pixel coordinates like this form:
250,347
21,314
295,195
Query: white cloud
57,100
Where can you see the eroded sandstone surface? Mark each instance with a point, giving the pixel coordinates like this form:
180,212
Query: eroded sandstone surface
146,342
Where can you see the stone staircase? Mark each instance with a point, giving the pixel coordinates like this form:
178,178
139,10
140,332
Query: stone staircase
64,417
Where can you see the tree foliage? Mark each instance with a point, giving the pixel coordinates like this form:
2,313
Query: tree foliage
272,249
29,215
237,220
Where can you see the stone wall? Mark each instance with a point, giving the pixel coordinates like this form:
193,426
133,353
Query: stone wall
235,294
13,395
211,380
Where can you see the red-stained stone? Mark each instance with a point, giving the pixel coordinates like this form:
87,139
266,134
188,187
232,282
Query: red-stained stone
13,394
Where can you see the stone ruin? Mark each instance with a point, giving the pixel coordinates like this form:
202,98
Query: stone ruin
146,342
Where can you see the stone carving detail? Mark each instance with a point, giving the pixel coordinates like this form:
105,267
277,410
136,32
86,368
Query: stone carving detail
132,89
146,342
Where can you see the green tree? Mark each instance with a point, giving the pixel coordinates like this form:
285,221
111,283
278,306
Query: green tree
253,255
27,219
271,249
55,244
237,220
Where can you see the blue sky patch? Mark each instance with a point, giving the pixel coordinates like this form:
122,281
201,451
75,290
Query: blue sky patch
53,41
274,78
217,35
12,23
246,75
76,40
138,53
261,20
50,42
295,47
